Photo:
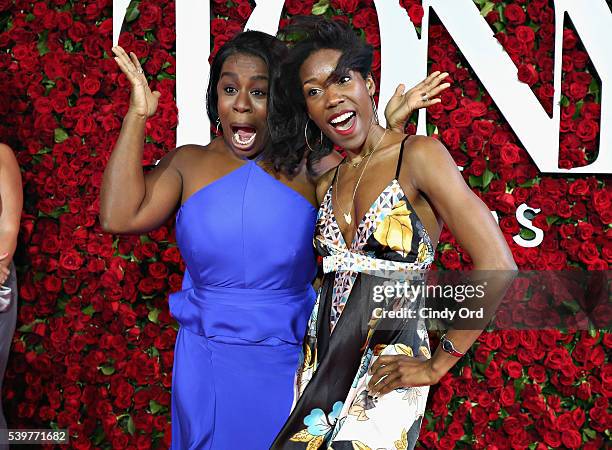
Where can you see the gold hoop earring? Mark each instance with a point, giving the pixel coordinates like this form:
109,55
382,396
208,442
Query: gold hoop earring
306,136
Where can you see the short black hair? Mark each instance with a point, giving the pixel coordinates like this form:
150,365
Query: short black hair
255,43
288,117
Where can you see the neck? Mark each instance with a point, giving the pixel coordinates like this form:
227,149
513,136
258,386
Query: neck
373,139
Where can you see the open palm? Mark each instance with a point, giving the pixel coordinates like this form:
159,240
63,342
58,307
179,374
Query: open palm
143,101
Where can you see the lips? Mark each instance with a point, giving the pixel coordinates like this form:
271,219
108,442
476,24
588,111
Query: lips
343,122
243,135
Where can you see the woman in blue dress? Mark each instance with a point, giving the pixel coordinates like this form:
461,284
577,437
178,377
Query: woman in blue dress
244,228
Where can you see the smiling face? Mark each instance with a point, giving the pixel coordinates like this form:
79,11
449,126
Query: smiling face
342,109
242,93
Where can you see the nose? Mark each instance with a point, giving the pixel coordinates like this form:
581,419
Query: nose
333,97
242,103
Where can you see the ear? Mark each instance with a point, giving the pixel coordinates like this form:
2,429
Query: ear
370,84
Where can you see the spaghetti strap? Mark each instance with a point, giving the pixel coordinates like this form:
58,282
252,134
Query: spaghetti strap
399,159
336,171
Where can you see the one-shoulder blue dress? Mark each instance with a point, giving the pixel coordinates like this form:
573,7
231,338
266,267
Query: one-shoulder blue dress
246,240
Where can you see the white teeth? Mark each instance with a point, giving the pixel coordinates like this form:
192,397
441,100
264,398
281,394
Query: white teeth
341,118
239,140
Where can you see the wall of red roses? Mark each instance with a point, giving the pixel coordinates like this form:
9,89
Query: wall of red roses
94,346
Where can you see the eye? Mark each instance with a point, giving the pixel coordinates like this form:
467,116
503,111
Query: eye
344,79
312,92
230,90
259,93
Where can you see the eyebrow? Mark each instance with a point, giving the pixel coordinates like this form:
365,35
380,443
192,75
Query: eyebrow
235,75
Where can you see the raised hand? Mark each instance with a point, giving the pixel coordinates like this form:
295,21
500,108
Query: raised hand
402,105
143,102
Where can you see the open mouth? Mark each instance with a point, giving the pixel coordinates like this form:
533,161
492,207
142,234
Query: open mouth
243,135
343,122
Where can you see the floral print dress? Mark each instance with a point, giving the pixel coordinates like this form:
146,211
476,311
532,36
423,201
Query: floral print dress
347,331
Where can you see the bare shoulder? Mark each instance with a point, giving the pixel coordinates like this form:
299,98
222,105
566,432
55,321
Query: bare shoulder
424,150
183,157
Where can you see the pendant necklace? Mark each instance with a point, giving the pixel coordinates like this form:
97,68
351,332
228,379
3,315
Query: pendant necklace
347,216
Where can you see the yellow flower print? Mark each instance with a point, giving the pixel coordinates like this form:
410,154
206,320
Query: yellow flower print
402,443
422,253
395,231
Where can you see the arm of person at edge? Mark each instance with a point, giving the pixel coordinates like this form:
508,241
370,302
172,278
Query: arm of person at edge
11,203
397,112
435,174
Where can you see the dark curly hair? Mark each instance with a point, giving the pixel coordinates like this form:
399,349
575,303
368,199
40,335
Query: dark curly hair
287,116
255,43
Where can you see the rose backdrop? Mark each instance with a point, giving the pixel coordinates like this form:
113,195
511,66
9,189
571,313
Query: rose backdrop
94,347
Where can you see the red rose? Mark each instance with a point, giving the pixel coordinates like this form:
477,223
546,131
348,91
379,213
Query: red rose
451,137
528,74
571,438
506,397
364,17
415,12
587,130
347,6
460,118
510,153
450,259
514,14
483,127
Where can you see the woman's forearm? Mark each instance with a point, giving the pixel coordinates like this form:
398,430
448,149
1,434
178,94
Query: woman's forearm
123,185
8,242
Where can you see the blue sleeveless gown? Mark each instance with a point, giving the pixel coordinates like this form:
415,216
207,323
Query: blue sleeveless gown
243,309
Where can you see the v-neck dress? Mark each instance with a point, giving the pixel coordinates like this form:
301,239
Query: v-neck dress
246,240
350,327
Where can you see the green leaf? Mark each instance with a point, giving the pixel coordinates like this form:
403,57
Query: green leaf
26,328
130,425
30,17
88,310
431,129
165,76
551,219
42,47
594,87
488,7
564,101
527,234
60,135
154,406
475,181
499,27
572,306
529,183
487,176
591,434
320,8
149,36
68,46
153,314
98,436
132,12
107,370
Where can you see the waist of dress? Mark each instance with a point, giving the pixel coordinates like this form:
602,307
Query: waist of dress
347,261
244,315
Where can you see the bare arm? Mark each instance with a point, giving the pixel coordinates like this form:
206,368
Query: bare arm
130,200
435,174
11,204
469,219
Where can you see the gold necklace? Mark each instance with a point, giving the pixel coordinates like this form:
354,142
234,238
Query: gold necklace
347,216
